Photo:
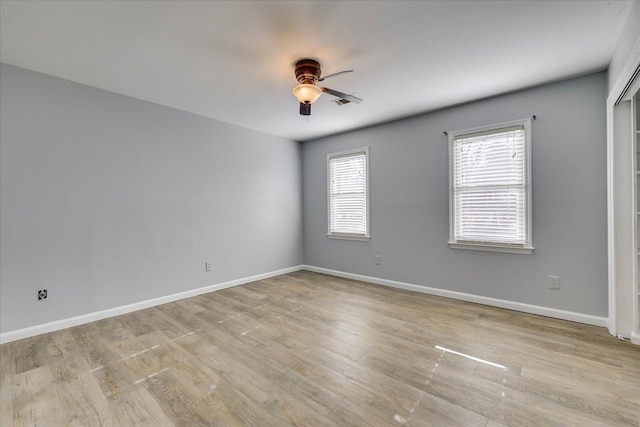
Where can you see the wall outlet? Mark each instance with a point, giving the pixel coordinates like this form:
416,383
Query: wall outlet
42,294
377,259
208,266
554,282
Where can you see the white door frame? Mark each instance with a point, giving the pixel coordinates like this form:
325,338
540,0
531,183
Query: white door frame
621,83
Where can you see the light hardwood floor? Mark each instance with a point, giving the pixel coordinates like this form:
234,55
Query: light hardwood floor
306,349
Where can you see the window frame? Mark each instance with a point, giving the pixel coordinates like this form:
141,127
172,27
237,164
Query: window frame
349,236
527,247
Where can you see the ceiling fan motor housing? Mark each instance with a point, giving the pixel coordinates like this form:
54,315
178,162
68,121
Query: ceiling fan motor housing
307,71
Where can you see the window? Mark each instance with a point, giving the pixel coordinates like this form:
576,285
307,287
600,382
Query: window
490,188
348,194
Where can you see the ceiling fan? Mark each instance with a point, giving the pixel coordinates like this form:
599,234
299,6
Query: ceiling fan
308,74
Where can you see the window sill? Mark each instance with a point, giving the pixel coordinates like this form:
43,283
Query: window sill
361,237
491,248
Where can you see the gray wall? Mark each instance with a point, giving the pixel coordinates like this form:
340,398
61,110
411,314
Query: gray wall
629,37
409,201
107,200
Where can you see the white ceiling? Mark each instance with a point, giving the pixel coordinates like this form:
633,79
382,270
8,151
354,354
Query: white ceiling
233,60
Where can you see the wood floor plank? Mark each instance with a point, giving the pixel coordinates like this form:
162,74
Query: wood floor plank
305,349
390,398
36,401
282,405
563,377
137,407
348,414
482,398
29,353
82,402
177,400
568,400
66,360
242,363
7,405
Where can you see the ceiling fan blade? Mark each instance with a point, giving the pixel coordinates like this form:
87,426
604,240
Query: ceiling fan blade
339,73
305,109
341,95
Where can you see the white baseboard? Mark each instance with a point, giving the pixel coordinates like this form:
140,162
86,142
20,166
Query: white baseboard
99,315
104,314
635,339
511,305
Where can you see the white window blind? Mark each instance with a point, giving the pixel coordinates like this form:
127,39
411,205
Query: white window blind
490,188
348,194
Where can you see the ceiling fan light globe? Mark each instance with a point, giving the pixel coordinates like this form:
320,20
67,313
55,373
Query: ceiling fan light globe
307,93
